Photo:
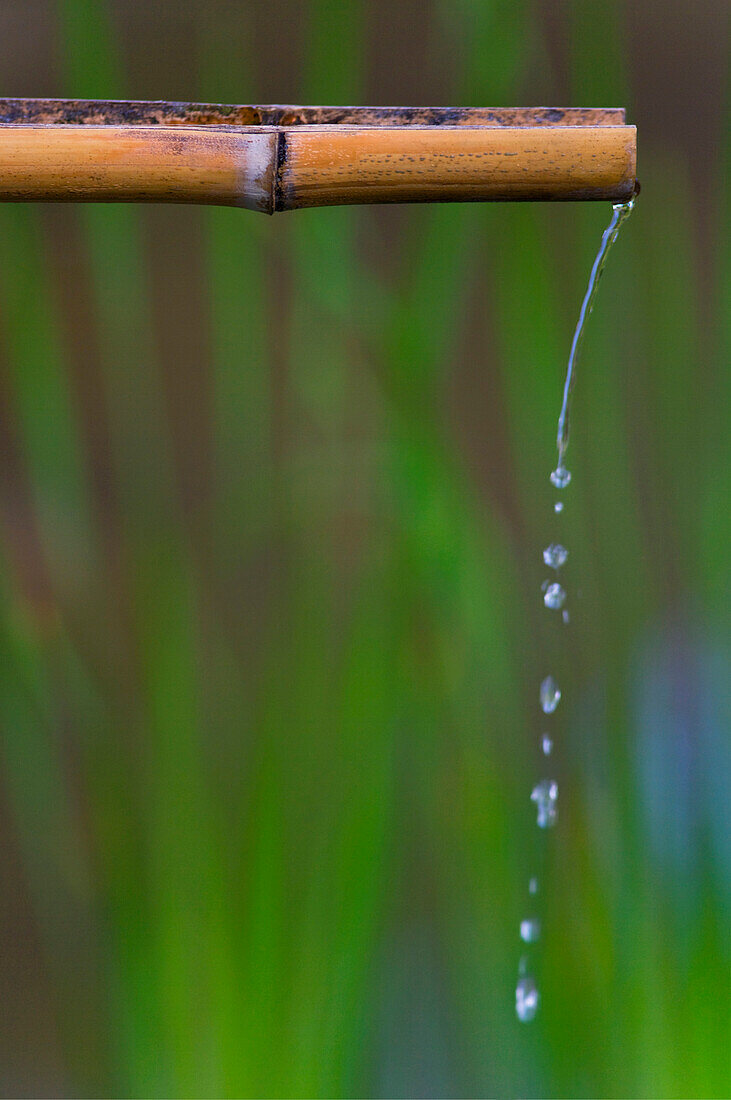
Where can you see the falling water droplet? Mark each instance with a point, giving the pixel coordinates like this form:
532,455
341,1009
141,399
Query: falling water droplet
555,555
560,477
545,796
558,506
546,745
526,999
565,616
550,695
522,965
533,886
530,930
554,597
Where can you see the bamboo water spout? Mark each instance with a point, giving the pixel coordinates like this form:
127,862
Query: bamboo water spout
286,158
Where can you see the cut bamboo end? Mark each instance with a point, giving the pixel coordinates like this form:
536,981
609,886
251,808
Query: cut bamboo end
446,165
286,158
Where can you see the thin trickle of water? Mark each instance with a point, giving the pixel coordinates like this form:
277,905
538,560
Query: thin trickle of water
550,695
545,794
620,212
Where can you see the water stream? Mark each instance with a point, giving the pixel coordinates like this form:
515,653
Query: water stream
544,795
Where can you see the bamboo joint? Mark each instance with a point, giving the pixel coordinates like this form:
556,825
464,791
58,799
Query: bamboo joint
274,158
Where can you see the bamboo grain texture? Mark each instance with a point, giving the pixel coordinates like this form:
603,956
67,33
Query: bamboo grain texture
307,157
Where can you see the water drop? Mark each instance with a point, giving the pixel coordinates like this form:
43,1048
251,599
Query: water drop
555,555
530,930
545,796
560,477
550,695
558,506
546,745
554,597
526,999
565,616
533,886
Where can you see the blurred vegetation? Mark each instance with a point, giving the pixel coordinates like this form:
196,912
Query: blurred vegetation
272,500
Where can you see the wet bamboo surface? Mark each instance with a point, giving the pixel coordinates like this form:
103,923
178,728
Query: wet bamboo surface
284,158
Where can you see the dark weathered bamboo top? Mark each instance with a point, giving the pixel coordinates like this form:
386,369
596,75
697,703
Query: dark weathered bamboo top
116,112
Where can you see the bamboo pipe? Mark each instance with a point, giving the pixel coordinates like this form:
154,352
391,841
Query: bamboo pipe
287,158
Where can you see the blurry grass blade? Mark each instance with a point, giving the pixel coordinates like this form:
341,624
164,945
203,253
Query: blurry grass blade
41,391
90,49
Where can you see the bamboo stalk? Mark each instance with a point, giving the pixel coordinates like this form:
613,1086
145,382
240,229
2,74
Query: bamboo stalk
286,158
138,164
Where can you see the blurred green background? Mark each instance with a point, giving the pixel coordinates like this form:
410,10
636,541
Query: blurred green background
272,499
